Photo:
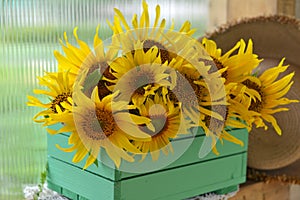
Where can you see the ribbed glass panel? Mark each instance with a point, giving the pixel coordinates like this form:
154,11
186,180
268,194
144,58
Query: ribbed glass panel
29,33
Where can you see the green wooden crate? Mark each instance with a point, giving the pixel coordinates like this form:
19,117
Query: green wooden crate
188,176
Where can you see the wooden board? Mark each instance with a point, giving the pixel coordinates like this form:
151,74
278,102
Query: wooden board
177,183
188,176
263,191
189,156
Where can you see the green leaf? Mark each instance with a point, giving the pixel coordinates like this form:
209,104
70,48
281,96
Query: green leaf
43,177
96,163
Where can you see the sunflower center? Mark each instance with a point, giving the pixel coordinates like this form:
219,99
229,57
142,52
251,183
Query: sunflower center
164,54
185,90
101,127
140,91
160,124
106,121
219,66
141,80
103,91
255,105
215,124
59,99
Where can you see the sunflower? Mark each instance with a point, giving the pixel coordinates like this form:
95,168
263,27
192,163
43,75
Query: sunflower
149,35
233,114
238,65
60,91
194,94
212,97
236,69
97,124
140,74
78,59
272,91
166,123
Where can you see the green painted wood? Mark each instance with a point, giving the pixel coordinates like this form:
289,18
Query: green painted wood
190,155
62,140
53,186
57,188
186,177
67,193
227,190
177,183
244,164
82,198
81,182
185,181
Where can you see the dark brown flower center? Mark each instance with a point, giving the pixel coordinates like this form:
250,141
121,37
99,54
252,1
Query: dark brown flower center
101,127
140,91
59,99
186,90
164,54
103,91
219,66
160,123
255,105
216,65
142,78
214,124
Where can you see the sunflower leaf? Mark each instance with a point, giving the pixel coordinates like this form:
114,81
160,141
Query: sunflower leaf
96,163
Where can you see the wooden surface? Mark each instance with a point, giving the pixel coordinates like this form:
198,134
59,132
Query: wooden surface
286,7
172,184
297,9
263,191
217,13
225,11
187,177
237,9
189,156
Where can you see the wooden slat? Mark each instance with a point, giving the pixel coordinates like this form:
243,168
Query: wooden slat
54,186
217,13
69,194
172,184
286,7
186,181
76,180
186,177
297,9
238,9
295,192
189,156
263,191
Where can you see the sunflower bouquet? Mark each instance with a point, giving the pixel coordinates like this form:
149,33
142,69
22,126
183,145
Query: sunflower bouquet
149,84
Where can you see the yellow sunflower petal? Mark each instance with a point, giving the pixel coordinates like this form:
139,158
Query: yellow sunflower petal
273,121
227,136
91,159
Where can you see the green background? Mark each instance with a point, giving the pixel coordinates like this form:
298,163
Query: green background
29,33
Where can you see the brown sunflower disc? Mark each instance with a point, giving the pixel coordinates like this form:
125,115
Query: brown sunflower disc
273,38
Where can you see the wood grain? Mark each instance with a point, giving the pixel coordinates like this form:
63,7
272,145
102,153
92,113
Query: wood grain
286,7
188,157
187,177
262,191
